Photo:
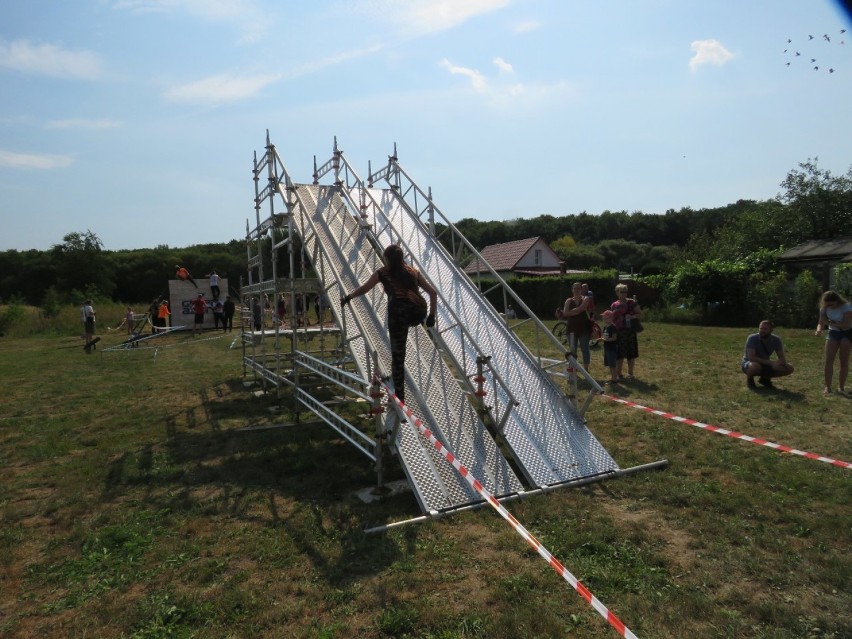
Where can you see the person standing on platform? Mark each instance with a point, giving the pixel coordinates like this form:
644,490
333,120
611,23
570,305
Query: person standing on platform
214,284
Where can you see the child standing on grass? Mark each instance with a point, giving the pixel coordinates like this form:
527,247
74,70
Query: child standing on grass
610,340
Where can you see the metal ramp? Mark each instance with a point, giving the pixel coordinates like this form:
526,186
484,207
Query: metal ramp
344,257
343,228
549,438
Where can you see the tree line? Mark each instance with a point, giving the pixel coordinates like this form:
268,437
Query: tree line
701,257
79,267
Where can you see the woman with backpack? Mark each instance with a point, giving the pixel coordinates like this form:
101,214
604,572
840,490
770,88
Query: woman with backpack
406,307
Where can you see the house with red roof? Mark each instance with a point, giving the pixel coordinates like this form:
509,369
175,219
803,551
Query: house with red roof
531,256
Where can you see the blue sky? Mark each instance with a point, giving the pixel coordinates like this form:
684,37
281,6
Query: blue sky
138,119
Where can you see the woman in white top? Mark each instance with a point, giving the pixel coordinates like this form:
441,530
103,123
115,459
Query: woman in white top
835,314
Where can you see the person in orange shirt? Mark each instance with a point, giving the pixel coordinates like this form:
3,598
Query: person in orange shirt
163,314
183,274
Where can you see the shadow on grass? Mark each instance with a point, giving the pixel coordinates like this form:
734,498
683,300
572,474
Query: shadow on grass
297,477
627,387
781,393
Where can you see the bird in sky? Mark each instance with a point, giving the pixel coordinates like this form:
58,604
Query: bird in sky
808,54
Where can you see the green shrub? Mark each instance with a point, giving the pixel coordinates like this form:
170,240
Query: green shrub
10,316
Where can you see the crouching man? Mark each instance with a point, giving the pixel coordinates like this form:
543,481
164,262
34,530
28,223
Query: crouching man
757,359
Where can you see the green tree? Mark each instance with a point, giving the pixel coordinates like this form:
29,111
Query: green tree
563,246
82,265
625,255
583,257
819,203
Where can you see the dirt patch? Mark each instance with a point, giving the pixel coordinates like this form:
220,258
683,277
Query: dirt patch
680,546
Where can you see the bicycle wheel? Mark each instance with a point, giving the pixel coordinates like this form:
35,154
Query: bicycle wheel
560,330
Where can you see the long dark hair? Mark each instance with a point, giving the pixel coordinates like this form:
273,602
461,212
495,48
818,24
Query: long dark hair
398,269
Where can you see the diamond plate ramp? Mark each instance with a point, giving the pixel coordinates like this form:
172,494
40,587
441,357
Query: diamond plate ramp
329,228
547,435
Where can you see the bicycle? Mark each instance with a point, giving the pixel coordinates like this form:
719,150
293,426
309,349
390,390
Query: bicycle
560,330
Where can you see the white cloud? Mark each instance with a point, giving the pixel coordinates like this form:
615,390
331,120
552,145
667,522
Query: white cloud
34,161
51,60
142,6
504,66
248,17
81,123
477,80
527,26
219,89
709,52
228,87
428,16
336,58
510,94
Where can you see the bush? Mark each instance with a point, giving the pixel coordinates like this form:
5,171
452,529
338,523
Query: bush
843,280
10,315
791,303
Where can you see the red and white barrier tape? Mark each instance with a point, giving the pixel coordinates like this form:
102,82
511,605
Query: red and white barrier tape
732,433
554,563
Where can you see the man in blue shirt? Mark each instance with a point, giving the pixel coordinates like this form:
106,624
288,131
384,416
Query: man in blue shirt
757,358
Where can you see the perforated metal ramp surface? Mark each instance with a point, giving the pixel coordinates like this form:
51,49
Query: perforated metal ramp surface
548,436
328,227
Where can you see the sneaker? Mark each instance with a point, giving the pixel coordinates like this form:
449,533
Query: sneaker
750,382
765,381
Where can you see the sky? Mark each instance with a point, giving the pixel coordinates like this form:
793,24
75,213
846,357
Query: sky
138,120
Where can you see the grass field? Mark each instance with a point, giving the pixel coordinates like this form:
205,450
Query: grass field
133,505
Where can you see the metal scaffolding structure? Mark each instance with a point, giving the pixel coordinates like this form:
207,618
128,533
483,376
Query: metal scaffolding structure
491,399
